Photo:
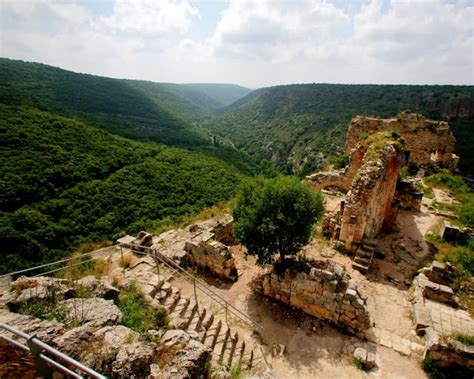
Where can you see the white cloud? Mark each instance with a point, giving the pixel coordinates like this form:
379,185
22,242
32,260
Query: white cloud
253,42
150,18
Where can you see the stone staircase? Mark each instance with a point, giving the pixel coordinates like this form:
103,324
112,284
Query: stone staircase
228,349
364,255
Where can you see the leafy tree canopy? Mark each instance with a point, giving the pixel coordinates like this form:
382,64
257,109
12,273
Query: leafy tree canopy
275,216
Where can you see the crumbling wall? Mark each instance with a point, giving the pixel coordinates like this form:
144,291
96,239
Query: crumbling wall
370,204
212,256
341,178
322,289
409,195
430,143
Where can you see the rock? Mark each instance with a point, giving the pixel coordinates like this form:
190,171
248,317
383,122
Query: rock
112,337
46,330
99,312
75,341
367,359
134,360
99,288
195,358
174,337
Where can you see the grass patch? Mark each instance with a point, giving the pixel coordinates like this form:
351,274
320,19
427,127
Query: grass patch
466,339
127,260
237,372
46,308
137,312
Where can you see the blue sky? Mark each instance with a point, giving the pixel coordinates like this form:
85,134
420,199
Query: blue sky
250,42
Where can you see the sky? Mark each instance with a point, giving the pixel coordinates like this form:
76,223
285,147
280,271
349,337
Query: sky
254,43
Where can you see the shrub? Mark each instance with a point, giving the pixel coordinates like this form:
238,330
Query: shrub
138,314
464,338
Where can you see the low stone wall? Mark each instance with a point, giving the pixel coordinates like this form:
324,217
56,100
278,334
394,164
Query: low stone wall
322,289
212,256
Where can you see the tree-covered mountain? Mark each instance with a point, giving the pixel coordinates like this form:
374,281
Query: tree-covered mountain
110,104
302,125
223,94
64,182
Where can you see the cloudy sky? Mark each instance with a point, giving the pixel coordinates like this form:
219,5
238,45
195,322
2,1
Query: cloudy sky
250,42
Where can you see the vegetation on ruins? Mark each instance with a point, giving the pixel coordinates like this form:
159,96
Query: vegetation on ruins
138,314
275,216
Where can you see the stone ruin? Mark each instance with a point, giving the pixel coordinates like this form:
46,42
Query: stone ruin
430,143
378,149
438,316
203,245
207,251
320,288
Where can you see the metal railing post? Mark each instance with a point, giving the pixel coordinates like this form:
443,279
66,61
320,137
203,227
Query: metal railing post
41,366
121,261
195,294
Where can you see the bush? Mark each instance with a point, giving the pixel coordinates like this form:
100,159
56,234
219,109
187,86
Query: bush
464,338
275,216
138,314
340,161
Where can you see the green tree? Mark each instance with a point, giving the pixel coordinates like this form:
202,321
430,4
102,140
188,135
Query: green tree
275,216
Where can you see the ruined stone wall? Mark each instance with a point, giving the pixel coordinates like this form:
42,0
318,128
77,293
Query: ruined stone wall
409,195
431,143
342,178
370,206
324,290
212,256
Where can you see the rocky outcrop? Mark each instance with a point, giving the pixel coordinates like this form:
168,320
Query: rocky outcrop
96,311
430,143
370,204
133,359
322,289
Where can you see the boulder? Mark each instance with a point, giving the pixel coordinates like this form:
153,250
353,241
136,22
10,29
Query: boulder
77,341
97,311
195,358
134,360
174,337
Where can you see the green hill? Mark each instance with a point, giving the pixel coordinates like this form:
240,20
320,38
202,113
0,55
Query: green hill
64,182
302,125
110,104
222,94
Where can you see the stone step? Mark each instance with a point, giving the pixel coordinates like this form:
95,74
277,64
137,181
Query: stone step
363,253
361,268
370,242
191,316
233,346
362,261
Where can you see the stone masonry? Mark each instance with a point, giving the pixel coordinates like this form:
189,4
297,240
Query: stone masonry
430,143
322,289
370,204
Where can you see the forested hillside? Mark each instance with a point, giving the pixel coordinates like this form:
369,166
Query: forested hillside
301,126
64,182
224,94
109,104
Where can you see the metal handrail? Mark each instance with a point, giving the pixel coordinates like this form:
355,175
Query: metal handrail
200,284
26,270
38,349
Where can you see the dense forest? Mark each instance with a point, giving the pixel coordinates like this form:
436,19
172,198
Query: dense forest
301,125
64,182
